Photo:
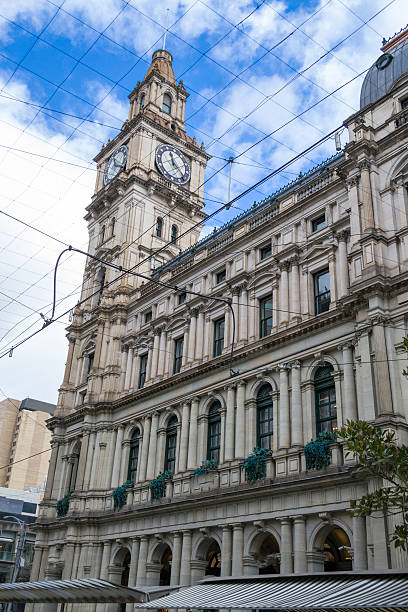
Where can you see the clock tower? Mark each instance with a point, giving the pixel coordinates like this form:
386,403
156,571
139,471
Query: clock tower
149,186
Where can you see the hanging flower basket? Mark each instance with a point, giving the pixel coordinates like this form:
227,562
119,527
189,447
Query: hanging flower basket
254,465
206,466
62,504
317,452
157,486
120,495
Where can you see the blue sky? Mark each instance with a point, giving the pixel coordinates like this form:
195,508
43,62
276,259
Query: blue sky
250,67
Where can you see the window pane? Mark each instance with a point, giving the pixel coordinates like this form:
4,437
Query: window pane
265,309
318,223
218,337
322,291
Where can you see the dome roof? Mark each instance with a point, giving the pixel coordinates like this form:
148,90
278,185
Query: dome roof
161,62
384,72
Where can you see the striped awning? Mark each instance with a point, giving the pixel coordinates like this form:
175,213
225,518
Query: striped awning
84,590
306,592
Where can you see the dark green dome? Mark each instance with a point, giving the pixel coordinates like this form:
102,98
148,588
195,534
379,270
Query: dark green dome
384,72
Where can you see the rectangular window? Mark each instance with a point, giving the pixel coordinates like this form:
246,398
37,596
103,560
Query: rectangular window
220,276
182,298
91,358
321,283
214,439
148,316
178,355
171,449
219,327
404,104
318,223
265,316
265,251
142,371
29,508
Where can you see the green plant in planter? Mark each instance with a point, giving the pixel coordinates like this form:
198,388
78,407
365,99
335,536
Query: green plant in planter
254,465
158,485
120,495
62,504
206,466
317,452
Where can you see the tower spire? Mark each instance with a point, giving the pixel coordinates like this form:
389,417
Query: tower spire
165,30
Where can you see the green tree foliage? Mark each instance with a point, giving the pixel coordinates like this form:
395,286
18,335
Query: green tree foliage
378,455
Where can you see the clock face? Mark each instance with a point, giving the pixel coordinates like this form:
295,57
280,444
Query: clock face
173,164
116,163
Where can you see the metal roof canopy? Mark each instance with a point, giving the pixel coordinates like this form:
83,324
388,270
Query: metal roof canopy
90,590
340,591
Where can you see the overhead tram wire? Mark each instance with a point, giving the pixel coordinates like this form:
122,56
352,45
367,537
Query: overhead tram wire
301,73
227,205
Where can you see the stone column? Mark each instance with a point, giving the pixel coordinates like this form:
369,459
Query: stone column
89,460
286,554
226,553
129,367
240,422
124,463
186,559
243,316
141,563
360,561
192,439
176,560
110,456
284,294
162,353
275,304
237,549
235,308
96,459
297,415
148,375
151,462
155,355
382,372
96,568
366,196
350,398
117,458
342,264
192,336
207,337
200,336
332,278
186,341
69,550
35,568
51,484
355,229
230,425
251,321
227,327
299,545
123,361
185,417
134,559
284,423
294,315
168,356
145,449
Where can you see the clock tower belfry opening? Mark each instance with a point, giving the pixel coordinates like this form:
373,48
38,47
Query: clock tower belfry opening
150,177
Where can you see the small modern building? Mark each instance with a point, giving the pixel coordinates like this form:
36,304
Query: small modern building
24,506
316,275
23,432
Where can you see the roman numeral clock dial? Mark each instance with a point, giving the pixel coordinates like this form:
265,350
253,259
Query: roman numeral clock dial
172,164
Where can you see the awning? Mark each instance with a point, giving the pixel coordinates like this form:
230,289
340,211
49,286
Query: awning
76,591
306,592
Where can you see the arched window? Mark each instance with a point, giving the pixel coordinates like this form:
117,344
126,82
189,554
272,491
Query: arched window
174,232
159,227
325,399
133,456
264,413
214,432
166,106
142,100
171,445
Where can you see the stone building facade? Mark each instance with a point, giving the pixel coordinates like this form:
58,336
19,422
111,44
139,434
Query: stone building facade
317,278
